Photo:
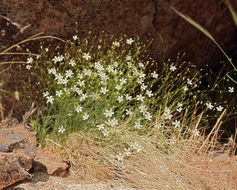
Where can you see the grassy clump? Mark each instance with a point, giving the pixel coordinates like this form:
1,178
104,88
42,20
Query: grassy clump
110,88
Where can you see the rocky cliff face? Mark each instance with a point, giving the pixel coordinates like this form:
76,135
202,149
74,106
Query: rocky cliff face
146,18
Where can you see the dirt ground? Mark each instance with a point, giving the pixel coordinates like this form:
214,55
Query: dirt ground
42,181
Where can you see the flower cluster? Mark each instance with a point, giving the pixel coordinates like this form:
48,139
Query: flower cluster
97,88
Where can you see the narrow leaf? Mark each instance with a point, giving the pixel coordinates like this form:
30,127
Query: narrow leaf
233,12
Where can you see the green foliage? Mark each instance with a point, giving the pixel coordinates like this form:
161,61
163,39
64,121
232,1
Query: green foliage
111,88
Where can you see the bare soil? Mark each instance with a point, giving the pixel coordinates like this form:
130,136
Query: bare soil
42,181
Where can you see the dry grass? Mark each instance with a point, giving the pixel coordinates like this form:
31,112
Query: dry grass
177,167
155,169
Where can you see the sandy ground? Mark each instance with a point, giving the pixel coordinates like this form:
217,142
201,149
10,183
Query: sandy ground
41,181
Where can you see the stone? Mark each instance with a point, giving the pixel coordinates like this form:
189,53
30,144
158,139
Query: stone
145,18
17,138
44,162
14,167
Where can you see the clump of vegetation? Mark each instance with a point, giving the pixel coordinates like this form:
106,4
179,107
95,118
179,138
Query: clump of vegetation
116,93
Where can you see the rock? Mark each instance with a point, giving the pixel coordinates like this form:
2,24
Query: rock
13,168
146,18
44,162
17,138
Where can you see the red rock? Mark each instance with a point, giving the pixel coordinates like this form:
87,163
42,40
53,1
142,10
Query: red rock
44,162
146,18
17,138
14,167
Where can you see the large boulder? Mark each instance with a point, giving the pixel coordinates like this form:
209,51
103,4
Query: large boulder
146,18
14,167
17,138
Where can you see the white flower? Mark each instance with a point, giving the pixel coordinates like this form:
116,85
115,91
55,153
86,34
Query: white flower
100,127
45,94
46,49
28,67
120,157
140,64
129,41
219,108
128,58
231,89
86,56
83,97
123,81
78,109
167,114
112,122
72,62
172,68
176,124
103,90
143,86
141,75
137,125
189,82
129,64
196,132
120,99
106,133
148,116
140,81
85,116
74,88
110,69
143,108
185,88
99,46
127,151
50,99
59,93
78,91
61,129
58,58
53,71
129,112
109,113
75,37
179,109
154,75
64,81
209,105
29,60
87,72
128,97
81,83
69,73
140,97
136,146
149,93
118,87
172,141
115,64
117,44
